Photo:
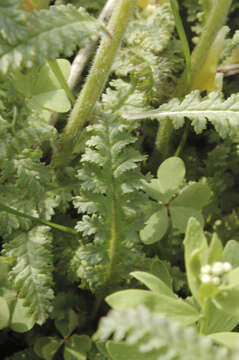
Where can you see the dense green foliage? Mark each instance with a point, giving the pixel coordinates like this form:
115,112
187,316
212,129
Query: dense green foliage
132,185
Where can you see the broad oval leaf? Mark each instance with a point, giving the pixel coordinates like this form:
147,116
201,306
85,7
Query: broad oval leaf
3,272
21,319
46,347
227,301
77,347
215,251
194,196
4,313
171,174
194,242
153,283
68,324
153,190
176,309
55,100
229,339
155,228
180,216
231,253
42,89
121,350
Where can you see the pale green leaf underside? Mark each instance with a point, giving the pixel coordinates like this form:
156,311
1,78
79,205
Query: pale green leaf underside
150,332
223,114
174,308
226,338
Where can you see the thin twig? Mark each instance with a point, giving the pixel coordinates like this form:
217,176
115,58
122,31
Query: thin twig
83,56
229,70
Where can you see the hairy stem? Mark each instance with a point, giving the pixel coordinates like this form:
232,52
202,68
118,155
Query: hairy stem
83,56
215,20
95,82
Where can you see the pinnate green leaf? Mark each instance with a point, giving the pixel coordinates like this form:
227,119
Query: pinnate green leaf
12,21
31,272
222,114
48,34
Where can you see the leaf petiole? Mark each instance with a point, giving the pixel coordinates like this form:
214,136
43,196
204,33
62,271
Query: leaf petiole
184,41
55,68
10,210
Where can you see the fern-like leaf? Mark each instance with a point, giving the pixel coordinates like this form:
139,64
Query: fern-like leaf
165,338
223,114
12,21
32,268
26,185
48,33
110,201
149,54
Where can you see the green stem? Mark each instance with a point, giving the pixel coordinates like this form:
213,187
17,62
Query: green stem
114,240
183,139
215,20
184,42
203,324
12,211
95,83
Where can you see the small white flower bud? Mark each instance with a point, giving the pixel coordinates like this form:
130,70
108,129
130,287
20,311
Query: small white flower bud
206,269
218,268
227,266
205,278
216,280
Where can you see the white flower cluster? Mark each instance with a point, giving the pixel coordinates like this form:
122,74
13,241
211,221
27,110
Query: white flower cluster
215,273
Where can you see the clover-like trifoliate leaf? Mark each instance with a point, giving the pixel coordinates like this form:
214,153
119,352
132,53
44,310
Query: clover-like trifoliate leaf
194,196
171,174
156,227
42,89
68,324
181,214
76,347
46,347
